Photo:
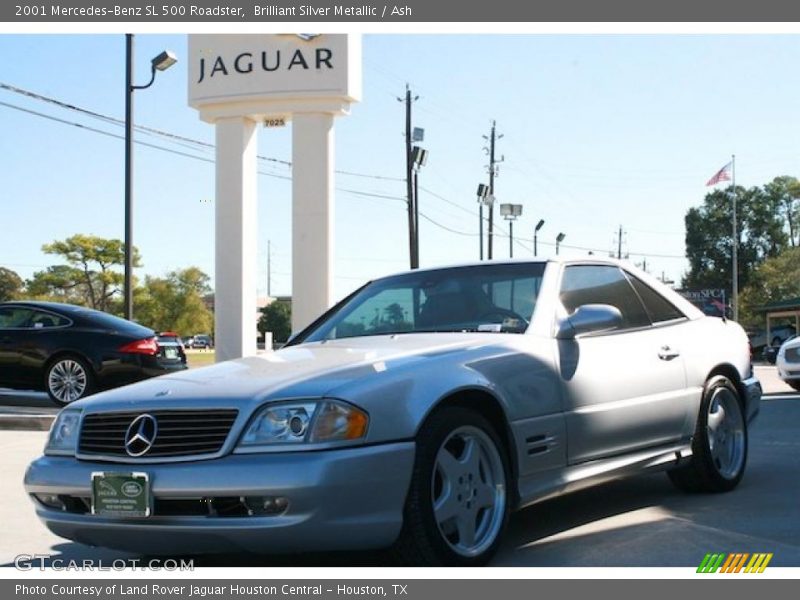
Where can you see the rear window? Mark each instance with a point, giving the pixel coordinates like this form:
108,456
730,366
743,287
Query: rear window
659,308
107,321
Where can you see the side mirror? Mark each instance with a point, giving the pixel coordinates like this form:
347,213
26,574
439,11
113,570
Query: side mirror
589,318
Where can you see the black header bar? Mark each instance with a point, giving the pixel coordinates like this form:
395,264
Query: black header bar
407,11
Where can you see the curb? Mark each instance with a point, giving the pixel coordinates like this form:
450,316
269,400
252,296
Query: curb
26,422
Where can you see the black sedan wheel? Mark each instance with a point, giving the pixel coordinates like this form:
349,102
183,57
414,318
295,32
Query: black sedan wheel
458,502
719,446
68,379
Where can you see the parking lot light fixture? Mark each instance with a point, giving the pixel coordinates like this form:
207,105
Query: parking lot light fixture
164,61
559,238
510,212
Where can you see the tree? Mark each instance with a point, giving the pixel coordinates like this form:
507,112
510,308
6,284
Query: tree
785,193
92,274
277,318
709,237
59,283
175,302
10,284
776,279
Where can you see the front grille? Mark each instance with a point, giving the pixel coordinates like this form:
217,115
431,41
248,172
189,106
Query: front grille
792,355
180,432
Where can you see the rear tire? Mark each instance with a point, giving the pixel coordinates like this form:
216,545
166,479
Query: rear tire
794,384
68,378
719,445
458,502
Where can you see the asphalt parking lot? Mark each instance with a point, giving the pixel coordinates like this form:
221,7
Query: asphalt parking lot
637,522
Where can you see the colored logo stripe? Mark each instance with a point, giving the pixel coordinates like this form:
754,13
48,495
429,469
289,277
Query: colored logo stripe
734,562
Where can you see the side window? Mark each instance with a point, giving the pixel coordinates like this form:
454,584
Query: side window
42,320
14,317
602,284
659,308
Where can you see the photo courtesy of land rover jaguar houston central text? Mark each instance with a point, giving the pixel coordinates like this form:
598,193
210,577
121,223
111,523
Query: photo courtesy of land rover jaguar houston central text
415,414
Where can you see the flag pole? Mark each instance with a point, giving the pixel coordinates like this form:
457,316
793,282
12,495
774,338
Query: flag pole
735,273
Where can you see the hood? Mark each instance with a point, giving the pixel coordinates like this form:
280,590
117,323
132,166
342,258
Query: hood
308,370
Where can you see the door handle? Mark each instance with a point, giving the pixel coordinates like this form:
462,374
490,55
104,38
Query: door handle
667,353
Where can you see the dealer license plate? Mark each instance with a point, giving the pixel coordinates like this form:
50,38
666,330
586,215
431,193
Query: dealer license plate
121,494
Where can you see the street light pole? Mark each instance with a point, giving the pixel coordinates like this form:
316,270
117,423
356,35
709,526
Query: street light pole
482,193
536,229
160,63
128,285
559,238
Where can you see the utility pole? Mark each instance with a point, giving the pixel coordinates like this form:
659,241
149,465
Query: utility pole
619,237
411,200
493,137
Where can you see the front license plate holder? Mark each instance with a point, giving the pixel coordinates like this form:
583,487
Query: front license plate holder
117,494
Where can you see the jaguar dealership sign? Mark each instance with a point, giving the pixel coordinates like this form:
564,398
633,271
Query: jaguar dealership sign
238,83
273,68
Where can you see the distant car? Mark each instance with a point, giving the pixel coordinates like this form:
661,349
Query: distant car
71,351
202,341
777,335
788,362
770,353
418,412
170,347
187,342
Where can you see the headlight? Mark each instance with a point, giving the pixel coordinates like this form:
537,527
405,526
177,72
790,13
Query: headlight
315,422
63,437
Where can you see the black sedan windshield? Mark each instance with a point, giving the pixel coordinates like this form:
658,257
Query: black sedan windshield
487,298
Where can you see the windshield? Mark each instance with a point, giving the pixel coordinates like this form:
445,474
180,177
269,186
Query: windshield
485,298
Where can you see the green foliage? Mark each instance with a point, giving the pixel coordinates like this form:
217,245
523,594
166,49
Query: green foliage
10,284
90,277
775,279
785,193
709,236
277,318
175,302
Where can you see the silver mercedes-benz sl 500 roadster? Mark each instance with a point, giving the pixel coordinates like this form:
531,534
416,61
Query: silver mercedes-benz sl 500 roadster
415,414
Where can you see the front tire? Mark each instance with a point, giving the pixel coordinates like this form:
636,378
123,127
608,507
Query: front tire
719,445
458,501
67,379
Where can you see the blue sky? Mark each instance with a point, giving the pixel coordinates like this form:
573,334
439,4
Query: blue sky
599,131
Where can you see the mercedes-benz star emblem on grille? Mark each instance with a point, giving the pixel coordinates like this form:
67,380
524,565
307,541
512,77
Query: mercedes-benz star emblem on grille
141,435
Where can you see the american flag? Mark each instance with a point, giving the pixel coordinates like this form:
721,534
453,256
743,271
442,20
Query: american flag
722,175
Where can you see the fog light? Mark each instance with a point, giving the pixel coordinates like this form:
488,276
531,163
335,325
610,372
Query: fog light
50,501
265,505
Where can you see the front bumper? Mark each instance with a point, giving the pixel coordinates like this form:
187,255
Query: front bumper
343,499
752,394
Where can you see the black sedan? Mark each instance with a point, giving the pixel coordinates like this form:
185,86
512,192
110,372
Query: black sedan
71,351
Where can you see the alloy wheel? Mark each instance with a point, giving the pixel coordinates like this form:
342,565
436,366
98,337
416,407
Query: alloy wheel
469,491
67,380
725,431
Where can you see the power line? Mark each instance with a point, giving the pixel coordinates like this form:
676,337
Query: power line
108,119
176,138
